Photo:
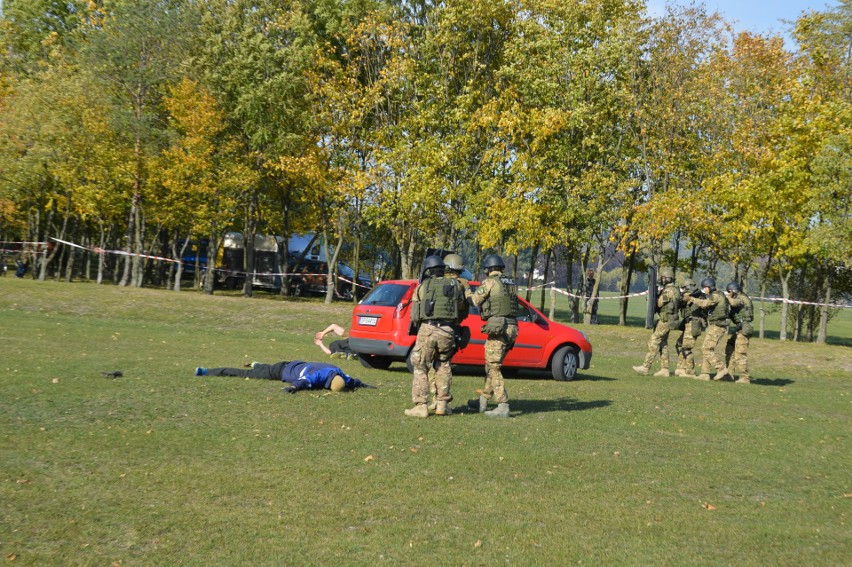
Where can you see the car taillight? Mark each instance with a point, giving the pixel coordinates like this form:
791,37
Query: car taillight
397,313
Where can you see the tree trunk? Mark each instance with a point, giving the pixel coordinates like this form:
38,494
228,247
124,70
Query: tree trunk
624,288
800,311
212,252
131,220
784,275
331,279
547,257
531,274
822,332
248,241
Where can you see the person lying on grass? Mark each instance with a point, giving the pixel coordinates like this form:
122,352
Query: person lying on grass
300,375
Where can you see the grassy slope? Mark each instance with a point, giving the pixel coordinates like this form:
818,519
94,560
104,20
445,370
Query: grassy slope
161,468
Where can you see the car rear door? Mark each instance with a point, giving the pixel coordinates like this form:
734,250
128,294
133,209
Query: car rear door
379,314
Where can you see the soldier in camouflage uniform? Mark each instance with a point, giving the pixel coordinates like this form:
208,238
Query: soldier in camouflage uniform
453,267
498,302
437,307
693,323
667,308
742,315
717,327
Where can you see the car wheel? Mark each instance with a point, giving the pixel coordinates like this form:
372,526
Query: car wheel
374,362
565,363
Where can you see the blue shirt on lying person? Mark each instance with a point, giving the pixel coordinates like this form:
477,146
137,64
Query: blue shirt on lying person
299,374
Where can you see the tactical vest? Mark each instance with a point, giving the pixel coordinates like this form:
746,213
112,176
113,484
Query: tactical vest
502,300
464,308
669,311
691,310
718,314
440,299
743,313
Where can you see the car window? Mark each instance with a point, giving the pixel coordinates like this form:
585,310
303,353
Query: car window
389,295
523,312
345,271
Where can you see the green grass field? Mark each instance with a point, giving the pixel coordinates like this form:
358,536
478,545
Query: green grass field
159,467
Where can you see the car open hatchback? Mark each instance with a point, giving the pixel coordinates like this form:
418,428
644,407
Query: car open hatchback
379,334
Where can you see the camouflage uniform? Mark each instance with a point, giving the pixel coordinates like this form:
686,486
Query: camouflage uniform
693,324
658,344
436,339
717,327
742,315
499,343
433,383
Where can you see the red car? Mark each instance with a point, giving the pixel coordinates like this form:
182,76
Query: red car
379,334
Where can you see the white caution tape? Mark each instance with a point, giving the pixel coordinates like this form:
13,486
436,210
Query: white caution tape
641,293
795,302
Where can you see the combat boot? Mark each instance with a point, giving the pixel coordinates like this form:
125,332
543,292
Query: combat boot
680,372
420,410
479,405
663,373
704,377
432,405
743,380
643,370
723,376
441,408
502,410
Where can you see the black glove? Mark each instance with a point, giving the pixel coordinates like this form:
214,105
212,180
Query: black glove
291,390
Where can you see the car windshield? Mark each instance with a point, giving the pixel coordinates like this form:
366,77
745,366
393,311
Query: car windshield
389,295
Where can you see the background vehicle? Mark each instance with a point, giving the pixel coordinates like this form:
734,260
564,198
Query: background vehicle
379,334
231,274
311,277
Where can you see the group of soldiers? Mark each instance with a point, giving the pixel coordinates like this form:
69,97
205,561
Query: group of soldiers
440,303
694,310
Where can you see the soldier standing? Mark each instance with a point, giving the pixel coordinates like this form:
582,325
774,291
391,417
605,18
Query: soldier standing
742,315
693,324
453,267
667,310
717,327
437,308
497,299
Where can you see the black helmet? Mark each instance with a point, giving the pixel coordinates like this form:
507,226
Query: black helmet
709,282
432,263
493,262
454,262
733,287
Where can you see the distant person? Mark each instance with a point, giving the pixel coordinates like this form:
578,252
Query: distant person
497,300
693,322
437,309
742,315
337,349
715,305
668,304
300,375
22,267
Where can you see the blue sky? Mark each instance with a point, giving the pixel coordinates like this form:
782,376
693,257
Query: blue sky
758,16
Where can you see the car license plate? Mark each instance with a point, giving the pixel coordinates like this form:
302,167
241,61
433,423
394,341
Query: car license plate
368,321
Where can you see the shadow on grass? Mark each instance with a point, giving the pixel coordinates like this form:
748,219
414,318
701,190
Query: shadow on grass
778,382
543,406
561,404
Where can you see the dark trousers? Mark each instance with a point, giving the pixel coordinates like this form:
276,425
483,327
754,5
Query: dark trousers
259,372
